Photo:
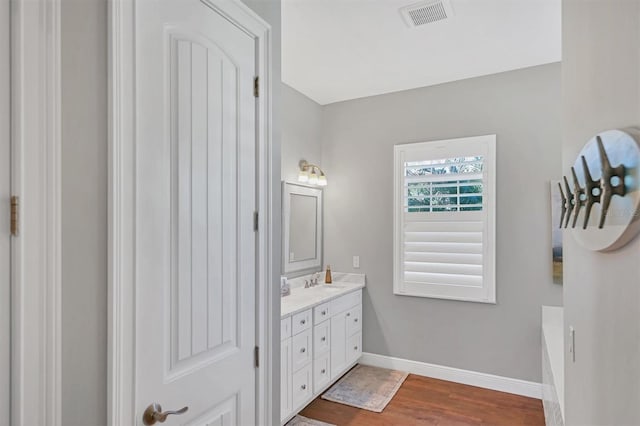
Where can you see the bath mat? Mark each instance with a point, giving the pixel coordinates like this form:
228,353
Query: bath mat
303,421
366,387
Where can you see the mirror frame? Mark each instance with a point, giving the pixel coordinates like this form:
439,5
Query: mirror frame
311,265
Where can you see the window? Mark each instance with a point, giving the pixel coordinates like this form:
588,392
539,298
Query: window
444,219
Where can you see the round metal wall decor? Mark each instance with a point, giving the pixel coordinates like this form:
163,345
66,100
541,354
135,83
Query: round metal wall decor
601,198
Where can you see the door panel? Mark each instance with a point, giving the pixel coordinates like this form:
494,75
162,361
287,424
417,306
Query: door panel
223,414
195,244
203,149
5,196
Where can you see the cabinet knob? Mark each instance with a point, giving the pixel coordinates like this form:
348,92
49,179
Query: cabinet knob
303,350
323,339
355,320
323,371
303,387
348,314
355,348
303,322
324,312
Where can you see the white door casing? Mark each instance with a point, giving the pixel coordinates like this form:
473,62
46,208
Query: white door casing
188,192
36,282
5,197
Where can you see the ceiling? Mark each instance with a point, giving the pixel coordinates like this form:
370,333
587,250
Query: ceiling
335,50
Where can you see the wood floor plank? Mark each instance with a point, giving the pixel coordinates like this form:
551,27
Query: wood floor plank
422,401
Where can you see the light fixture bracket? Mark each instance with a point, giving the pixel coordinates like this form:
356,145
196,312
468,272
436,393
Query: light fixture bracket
307,169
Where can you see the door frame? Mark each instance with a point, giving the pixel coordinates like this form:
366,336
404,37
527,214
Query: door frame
36,142
121,298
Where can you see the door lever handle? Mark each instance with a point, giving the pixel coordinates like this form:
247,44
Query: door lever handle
154,414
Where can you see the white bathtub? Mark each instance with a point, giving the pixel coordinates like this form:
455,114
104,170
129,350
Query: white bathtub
553,365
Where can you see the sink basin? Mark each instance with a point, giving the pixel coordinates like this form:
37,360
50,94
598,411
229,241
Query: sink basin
329,287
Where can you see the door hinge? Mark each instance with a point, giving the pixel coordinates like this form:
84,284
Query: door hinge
255,221
15,205
256,355
256,87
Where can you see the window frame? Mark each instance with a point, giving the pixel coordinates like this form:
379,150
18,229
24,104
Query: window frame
484,146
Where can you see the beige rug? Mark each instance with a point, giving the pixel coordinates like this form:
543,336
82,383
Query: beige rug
303,421
366,387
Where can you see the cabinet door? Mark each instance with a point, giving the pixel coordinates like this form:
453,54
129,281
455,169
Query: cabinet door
285,379
338,344
321,373
301,386
321,339
354,347
354,320
285,328
302,350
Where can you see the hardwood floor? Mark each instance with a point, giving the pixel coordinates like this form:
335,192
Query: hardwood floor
424,401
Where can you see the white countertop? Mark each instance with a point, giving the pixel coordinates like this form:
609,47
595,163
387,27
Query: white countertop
302,298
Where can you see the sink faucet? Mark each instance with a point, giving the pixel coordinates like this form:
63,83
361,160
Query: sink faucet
313,281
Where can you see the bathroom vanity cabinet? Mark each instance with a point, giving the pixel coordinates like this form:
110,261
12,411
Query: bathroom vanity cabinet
318,345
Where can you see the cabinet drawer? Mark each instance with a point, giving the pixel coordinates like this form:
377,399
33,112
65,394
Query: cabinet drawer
345,302
301,322
354,347
301,387
321,313
301,349
354,320
321,373
321,339
285,328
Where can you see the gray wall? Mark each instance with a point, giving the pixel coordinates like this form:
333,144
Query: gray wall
523,109
601,90
301,132
84,211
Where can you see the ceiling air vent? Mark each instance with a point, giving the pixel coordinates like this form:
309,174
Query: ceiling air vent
426,12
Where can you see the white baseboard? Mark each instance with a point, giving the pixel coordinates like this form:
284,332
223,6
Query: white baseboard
473,378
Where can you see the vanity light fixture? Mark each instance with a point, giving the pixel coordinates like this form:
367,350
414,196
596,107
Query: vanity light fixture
312,174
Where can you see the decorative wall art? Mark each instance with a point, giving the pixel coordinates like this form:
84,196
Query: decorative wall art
556,231
601,197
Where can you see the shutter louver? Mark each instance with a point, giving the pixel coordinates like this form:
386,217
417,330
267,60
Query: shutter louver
442,252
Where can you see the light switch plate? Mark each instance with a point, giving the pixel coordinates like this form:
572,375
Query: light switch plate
356,261
572,343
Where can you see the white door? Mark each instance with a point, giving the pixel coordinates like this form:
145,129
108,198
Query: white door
5,196
195,200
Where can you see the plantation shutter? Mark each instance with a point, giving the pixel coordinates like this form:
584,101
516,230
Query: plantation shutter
443,213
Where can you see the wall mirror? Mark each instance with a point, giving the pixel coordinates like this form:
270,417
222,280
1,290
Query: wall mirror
302,228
